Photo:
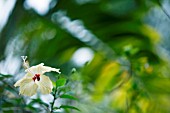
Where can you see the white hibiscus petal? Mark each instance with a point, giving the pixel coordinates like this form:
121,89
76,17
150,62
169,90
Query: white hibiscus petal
34,69
45,69
28,87
18,82
45,84
41,69
27,75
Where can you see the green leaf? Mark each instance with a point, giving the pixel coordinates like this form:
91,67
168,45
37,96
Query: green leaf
38,100
68,97
55,108
45,104
73,70
4,76
69,107
60,82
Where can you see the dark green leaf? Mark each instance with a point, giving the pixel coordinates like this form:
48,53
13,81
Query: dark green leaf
35,101
4,76
45,104
69,107
55,108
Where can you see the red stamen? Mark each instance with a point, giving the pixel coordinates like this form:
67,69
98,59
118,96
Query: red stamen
34,78
37,76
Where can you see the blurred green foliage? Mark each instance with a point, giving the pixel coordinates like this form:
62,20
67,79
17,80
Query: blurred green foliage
135,79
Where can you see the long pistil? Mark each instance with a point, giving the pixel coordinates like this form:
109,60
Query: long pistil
26,64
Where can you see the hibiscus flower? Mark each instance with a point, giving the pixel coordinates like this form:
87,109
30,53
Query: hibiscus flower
36,80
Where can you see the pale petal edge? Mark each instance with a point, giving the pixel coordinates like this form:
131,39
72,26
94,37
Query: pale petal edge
45,85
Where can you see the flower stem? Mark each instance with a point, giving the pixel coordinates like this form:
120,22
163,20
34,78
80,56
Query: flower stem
52,104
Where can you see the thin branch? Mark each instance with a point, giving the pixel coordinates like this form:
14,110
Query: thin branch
12,87
163,9
10,108
127,106
125,80
46,108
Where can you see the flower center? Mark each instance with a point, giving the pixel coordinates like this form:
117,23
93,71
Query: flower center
36,76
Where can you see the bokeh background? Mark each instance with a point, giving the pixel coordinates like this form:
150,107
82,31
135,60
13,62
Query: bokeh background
114,53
